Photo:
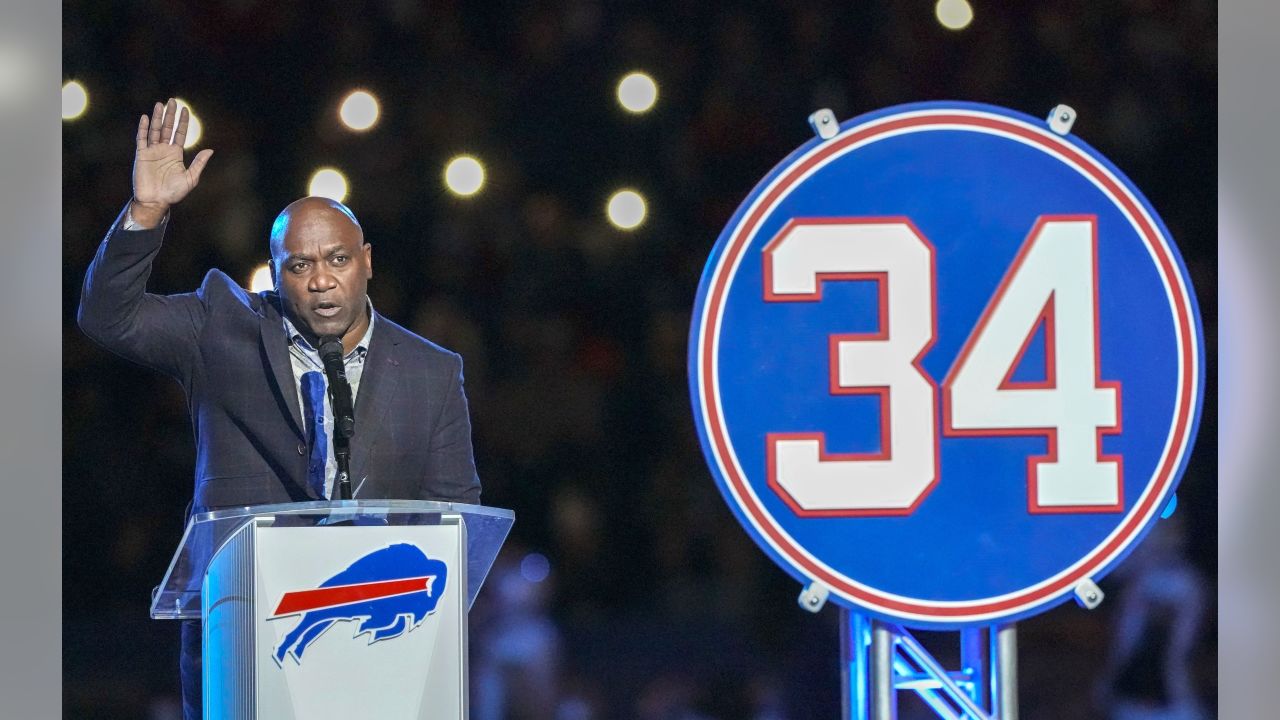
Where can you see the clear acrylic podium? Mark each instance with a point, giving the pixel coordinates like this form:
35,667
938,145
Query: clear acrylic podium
342,609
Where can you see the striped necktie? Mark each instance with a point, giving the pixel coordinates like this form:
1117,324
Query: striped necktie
313,391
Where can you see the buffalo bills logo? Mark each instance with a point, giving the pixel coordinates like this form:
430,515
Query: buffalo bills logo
389,591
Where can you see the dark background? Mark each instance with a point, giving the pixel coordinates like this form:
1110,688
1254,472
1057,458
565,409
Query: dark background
574,332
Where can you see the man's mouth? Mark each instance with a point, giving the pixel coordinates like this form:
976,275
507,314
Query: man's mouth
327,309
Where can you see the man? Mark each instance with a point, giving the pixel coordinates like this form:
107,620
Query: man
249,366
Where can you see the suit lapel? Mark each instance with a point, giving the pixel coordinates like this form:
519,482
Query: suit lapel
378,386
276,350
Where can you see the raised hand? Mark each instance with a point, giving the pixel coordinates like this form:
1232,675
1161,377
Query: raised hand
160,179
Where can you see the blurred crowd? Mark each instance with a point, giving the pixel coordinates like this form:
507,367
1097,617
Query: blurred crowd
654,603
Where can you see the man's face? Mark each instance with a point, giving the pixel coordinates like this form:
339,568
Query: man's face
322,270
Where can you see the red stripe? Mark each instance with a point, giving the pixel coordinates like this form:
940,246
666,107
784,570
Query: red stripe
303,600
1162,477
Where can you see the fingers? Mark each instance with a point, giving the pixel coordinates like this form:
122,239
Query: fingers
170,116
142,132
157,114
184,118
198,164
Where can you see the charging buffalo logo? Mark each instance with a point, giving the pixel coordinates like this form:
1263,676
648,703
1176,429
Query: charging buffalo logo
389,592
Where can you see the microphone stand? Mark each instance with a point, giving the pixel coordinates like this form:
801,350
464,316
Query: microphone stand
344,421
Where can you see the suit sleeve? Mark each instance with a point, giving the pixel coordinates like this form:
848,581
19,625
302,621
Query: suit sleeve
451,461
116,311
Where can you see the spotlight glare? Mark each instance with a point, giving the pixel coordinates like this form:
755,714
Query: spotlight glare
627,209
328,182
637,92
359,110
75,100
464,176
194,127
260,279
954,14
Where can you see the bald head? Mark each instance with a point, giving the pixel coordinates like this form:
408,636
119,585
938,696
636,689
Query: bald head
321,266
309,209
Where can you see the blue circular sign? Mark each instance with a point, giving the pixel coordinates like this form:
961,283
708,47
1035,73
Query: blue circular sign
946,363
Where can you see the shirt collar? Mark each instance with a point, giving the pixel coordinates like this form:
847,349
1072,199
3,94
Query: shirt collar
294,336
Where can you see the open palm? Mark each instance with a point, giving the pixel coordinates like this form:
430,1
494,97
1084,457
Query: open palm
160,178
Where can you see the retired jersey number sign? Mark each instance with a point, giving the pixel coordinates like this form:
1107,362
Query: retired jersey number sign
947,363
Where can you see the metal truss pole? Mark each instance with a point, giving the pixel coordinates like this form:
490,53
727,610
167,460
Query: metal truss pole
855,634
880,659
975,657
884,695
1004,681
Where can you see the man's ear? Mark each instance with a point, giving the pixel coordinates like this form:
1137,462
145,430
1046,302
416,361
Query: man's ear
275,280
368,260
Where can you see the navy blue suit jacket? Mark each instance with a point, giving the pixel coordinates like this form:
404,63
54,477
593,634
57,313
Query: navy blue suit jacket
227,348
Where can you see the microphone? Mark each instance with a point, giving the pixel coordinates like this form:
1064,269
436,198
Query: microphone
344,420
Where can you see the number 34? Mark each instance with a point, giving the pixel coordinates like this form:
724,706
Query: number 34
1051,282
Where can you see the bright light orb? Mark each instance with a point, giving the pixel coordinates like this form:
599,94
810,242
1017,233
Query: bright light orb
359,110
260,279
464,176
195,128
535,567
75,100
637,92
954,14
627,209
328,182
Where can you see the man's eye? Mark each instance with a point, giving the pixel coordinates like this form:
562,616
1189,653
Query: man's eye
297,267
340,259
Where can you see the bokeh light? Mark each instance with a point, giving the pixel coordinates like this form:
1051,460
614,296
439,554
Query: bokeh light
627,209
195,128
535,567
75,100
328,182
954,14
464,175
637,92
359,110
260,279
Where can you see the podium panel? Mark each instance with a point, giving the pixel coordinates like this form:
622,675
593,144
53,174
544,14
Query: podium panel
334,610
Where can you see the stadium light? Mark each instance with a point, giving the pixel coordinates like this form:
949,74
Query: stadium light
464,175
954,14
359,110
637,92
195,128
627,209
328,182
75,100
260,279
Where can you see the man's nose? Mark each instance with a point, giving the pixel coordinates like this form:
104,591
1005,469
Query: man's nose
322,279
